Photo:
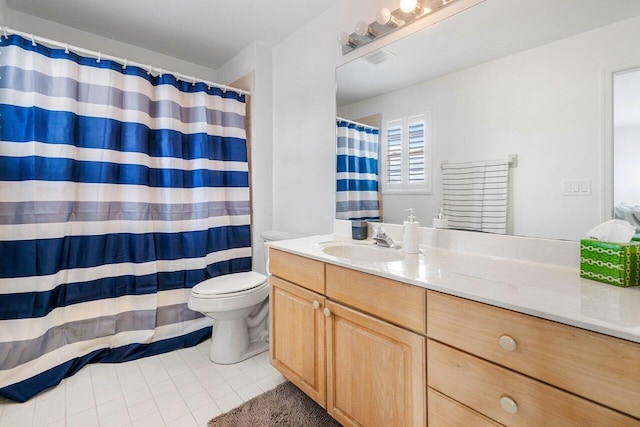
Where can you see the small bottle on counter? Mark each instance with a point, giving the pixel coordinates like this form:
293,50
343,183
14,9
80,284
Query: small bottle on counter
441,221
411,234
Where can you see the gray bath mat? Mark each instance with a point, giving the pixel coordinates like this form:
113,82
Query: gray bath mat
284,406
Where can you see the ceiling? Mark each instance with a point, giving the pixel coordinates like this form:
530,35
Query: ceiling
204,32
488,31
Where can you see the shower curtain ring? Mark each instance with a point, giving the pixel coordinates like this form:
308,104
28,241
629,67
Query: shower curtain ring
177,77
149,71
160,73
33,41
5,33
193,83
66,48
99,57
124,66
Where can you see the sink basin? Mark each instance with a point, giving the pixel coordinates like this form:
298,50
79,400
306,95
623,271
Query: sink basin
359,252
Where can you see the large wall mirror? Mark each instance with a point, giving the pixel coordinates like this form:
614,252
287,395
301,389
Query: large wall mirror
516,77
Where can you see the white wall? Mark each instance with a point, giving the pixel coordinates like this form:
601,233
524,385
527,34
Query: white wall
3,12
62,33
257,58
546,105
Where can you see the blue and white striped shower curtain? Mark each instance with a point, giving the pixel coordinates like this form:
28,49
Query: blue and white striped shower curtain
357,171
119,191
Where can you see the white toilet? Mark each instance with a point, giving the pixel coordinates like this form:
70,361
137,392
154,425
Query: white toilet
239,305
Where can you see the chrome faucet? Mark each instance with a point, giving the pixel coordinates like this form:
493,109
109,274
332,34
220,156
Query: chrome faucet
381,239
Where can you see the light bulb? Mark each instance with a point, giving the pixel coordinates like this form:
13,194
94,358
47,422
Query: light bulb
408,6
362,29
344,39
384,17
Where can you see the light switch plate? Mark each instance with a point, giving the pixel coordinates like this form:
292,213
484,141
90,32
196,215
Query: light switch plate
578,187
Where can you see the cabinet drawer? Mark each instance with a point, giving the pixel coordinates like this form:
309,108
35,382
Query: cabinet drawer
511,398
303,271
396,302
601,368
446,412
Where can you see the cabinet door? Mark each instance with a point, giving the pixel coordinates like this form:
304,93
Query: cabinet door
298,347
375,371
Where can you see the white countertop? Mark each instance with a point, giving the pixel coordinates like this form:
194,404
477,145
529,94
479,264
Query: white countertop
547,291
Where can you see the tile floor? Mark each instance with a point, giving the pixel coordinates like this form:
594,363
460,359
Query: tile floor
181,388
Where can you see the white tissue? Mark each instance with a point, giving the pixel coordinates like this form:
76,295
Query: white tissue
615,231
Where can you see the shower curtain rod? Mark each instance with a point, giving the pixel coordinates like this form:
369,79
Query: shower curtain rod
125,62
356,123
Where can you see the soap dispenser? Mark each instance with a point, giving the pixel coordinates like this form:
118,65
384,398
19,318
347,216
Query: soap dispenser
441,221
411,234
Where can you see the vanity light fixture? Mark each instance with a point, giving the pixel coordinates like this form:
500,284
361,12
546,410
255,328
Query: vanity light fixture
387,21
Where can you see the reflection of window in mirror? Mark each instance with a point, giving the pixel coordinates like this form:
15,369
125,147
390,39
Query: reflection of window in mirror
406,154
626,146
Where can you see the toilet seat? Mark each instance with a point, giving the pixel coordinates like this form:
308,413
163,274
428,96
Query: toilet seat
230,285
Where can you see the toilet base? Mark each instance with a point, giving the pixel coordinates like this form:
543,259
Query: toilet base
230,342
255,347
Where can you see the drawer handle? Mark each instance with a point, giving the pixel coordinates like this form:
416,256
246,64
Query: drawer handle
507,343
509,405
316,305
326,312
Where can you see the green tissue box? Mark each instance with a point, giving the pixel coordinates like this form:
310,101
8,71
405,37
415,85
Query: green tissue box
613,263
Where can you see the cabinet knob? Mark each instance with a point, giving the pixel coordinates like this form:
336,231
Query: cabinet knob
509,405
316,305
326,312
507,343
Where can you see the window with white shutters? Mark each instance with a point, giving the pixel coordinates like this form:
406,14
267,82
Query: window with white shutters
394,154
406,160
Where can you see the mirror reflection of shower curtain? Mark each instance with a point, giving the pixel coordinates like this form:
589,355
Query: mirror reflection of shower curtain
357,171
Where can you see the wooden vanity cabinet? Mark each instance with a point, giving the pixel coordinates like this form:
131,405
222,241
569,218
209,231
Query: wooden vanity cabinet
363,369
378,352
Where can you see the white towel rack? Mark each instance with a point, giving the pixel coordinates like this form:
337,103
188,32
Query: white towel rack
511,158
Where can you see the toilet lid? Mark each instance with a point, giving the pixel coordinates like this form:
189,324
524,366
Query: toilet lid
230,283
